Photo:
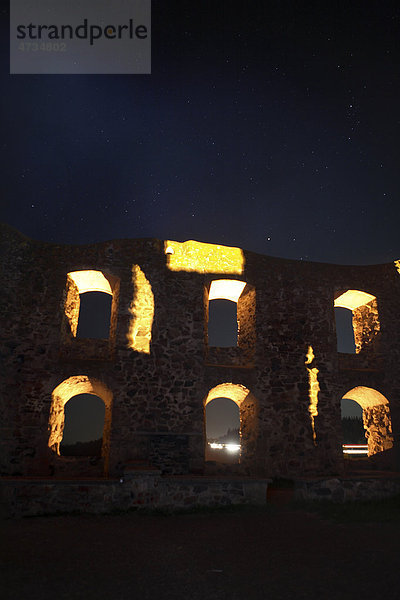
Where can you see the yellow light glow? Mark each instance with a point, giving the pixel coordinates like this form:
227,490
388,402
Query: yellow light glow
203,258
226,289
313,390
233,391
397,265
310,355
353,299
142,311
366,397
90,281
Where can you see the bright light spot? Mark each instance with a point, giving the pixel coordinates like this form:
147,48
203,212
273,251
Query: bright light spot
228,447
204,258
355,449
226,289
90,281
353,299
232,447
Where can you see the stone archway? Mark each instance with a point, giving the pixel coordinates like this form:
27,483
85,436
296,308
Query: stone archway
78,384
248,410
376,418
365,318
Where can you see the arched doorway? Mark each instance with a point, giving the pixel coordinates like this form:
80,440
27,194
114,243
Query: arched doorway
354,442
83,426
69,388
222,431
248,415
376,418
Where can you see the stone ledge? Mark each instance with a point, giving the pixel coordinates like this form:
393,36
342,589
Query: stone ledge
348,489
33,497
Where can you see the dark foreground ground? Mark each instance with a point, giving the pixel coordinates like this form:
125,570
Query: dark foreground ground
242,554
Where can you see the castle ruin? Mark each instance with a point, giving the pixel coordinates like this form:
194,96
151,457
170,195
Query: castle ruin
156,371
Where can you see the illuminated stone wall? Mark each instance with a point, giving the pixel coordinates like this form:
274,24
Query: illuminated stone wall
247,332
378,426
158,369
366,328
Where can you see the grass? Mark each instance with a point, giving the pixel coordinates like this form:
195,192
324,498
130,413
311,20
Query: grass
162,512
386,510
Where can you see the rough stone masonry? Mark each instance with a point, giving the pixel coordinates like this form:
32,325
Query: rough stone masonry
156,372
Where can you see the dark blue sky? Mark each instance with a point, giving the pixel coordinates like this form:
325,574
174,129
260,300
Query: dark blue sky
270,126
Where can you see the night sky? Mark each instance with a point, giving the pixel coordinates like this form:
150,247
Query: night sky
269,126
273,126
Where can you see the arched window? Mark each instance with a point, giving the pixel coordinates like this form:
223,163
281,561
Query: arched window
223,299
62,394
344,330
353,432
222,431
83,426
91,305
376,418
222,415
222,323
230,316
365,321
94,315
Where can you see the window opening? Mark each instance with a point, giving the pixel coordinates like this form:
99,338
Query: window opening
94,315
223,431
353,432
83,426
223,300
70,388
365,319
375,417
222,323
344,330
90,306
248,421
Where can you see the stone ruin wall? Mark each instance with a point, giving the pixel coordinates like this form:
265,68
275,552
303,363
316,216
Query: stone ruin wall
157,406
